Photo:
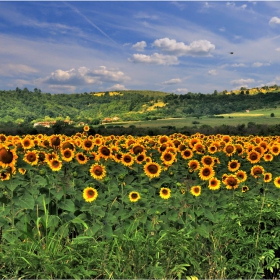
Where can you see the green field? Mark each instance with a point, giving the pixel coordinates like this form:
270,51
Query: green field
257,116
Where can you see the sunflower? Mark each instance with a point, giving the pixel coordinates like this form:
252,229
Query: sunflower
231,182
7,157
90,194
152,169
4,176
239,149
214,184
97,171
94,156
212,149
206,172
267,177
31,157
81,158
233,165
193,141
194,165
134,196
104,152
253,157
199,148
226,138
241,175
86,128
49,157
268,157
168,158
27,143
140,158
67,155
277,182
187,154
195,190
275,149
55,141
229,149
162,139
165,193
127,159
207,161
22,171
87,145
55,164
245,189
137,149
257,170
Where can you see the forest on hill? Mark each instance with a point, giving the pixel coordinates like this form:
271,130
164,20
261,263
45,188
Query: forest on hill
22,107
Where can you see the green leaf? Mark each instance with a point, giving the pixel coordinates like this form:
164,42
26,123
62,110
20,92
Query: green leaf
25,201
67,205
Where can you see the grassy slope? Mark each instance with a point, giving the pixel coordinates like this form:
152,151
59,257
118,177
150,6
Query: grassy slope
234,119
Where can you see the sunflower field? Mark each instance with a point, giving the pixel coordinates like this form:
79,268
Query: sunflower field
168,207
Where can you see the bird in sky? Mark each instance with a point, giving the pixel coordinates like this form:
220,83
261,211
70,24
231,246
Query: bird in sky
231,52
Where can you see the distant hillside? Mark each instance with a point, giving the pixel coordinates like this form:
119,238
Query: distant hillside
22,105
252,91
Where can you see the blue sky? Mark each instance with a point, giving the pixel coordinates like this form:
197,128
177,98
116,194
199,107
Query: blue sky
169,46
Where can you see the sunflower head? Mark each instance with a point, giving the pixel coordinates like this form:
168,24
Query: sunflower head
134,196
196,190
90,194
97,171
152,169
165,193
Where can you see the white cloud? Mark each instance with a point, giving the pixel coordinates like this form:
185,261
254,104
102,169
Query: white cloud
117,87
155,58
222,29
110,76
146,16
83,76
140,46
241,82
182,90
259,64
274,20
212,72
196,48
230,4
172,81
238,65
278,49
11,69
243,6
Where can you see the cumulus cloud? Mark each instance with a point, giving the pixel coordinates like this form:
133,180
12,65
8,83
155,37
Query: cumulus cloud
212,72
83,76
117,87
241,82
278,49
196,48
259,64
110,76
243,6
140,46
274,20
182,90
172,81
155,58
